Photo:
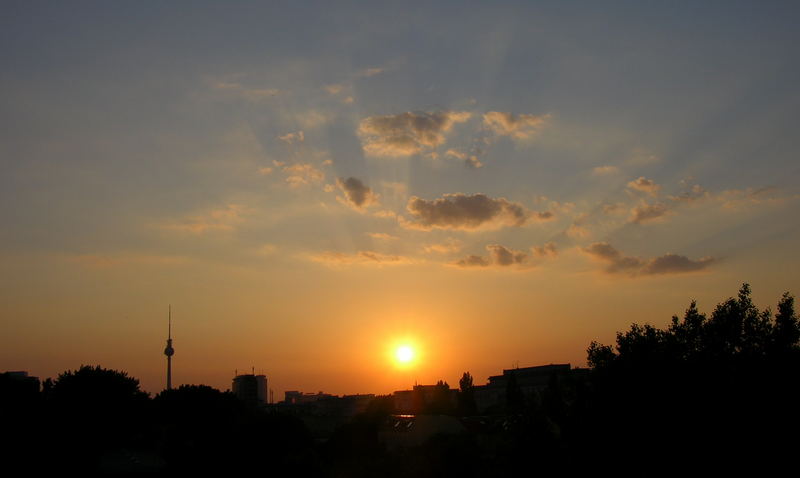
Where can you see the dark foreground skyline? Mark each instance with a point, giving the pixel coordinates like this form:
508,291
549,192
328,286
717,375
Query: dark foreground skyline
713,390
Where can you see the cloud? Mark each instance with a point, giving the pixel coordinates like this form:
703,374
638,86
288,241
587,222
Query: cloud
672,263
334,89
616,262
301,174
102,261
292,138
516,126
221,219
250,94
265,171
370,72
577,231
468,212
449,246
691,195
360,258
738,199
641,157
503,256
548,249
470,161
382,236
473,162
615,208
407,134
644,185
645,212
499,256
357,195
473,261
312,119
605,170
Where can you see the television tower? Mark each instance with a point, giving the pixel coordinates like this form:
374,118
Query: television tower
169,351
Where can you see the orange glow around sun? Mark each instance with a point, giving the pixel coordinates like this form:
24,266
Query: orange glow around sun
404,354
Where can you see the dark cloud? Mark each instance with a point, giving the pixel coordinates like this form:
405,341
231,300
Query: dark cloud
648,212
616,262
503,256
473,261
407,134
468,212
672,263
500,256
356,194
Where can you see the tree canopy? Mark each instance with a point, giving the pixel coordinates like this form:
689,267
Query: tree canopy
736,331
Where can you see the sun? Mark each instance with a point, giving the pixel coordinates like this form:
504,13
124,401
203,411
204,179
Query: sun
404,354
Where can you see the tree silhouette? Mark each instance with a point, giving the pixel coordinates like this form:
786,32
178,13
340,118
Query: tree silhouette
466,396
94,410
713,383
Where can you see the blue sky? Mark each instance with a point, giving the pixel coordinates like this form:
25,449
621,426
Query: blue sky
288,162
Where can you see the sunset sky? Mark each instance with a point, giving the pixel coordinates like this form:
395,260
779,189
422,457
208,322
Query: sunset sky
312,184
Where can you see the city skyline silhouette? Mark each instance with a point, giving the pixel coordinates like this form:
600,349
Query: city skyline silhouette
355,199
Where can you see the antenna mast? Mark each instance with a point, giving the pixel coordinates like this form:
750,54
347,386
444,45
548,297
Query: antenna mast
169,351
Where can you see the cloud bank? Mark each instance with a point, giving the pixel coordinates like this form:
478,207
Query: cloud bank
617,263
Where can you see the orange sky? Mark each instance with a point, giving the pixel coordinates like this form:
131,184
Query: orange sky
309,186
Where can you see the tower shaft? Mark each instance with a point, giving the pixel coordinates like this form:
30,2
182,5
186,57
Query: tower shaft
169,351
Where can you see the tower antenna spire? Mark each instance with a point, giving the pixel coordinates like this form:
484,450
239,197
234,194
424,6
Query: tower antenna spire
169,351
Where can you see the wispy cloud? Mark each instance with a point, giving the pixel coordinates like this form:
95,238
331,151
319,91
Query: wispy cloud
220,219
367,258
302,174
382,236
604,170
449,246
248,93
118,259
520,127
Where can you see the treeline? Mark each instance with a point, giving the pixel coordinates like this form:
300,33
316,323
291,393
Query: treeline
721,390
96,419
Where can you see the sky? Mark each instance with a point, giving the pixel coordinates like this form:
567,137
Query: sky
312,184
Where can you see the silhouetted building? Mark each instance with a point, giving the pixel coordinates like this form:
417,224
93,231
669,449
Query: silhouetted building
251,388
325,404
425,399
294,397
530,380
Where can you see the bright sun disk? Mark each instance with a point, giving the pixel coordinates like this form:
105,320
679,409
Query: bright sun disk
404,354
